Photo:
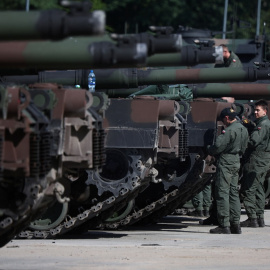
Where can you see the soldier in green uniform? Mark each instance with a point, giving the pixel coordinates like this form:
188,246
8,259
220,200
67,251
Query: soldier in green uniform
202,202
256,167
231,143
230,59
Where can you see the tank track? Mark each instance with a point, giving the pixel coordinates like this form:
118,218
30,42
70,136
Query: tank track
180,191
12,222
120,192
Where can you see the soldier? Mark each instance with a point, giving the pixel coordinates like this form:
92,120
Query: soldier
202,202
256,167
230,59
231,143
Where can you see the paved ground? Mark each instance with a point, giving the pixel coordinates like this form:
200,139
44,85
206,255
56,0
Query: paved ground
177,242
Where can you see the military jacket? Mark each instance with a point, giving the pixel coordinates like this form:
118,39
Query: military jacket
260,136
232,140
233,61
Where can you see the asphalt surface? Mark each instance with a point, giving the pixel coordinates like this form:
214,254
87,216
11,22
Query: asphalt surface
177,242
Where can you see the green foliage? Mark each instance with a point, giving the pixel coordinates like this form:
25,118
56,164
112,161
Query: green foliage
34,4
130,15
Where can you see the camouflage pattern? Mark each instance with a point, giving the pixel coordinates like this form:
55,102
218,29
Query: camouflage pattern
133,78
241,91
123,78
87,52
48,137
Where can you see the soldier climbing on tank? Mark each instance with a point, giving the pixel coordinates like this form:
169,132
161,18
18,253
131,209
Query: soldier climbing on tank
255,168
229,145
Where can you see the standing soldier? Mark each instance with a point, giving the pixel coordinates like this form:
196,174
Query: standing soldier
256,167
231,143
231,60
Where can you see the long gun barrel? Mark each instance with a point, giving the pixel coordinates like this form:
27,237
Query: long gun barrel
51,24
236,90
211,90
121,78
203,53
132,77
88,52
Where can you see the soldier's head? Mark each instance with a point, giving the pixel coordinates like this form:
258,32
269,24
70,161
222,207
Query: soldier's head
261,108
227,116
226,52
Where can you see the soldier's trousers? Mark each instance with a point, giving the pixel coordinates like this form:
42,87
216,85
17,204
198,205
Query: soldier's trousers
226,190
252,187
203,200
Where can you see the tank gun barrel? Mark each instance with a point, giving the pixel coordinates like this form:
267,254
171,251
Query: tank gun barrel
87,52
210,90
190,55
71,53
52,24
236,90
76,53
121,78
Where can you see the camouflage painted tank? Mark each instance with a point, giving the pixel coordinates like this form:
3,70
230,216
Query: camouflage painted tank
37,126
46,141
163,151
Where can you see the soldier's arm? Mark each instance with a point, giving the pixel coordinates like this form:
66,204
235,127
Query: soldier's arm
257,136
222,142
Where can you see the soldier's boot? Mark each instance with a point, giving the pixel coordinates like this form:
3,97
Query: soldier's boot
206,213
221,230
209,221
250,222
196,213
261,222
236,229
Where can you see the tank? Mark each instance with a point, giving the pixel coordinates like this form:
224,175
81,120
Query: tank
151,159
52,137
75,141
165,154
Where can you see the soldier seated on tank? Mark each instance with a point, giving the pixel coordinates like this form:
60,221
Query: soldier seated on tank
230,59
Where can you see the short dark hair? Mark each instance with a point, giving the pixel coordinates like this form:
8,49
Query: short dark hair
262,103
224,46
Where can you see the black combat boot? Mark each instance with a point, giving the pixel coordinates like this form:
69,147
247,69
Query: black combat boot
250,222
261,222
221,230
196,213
235,229
209,221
